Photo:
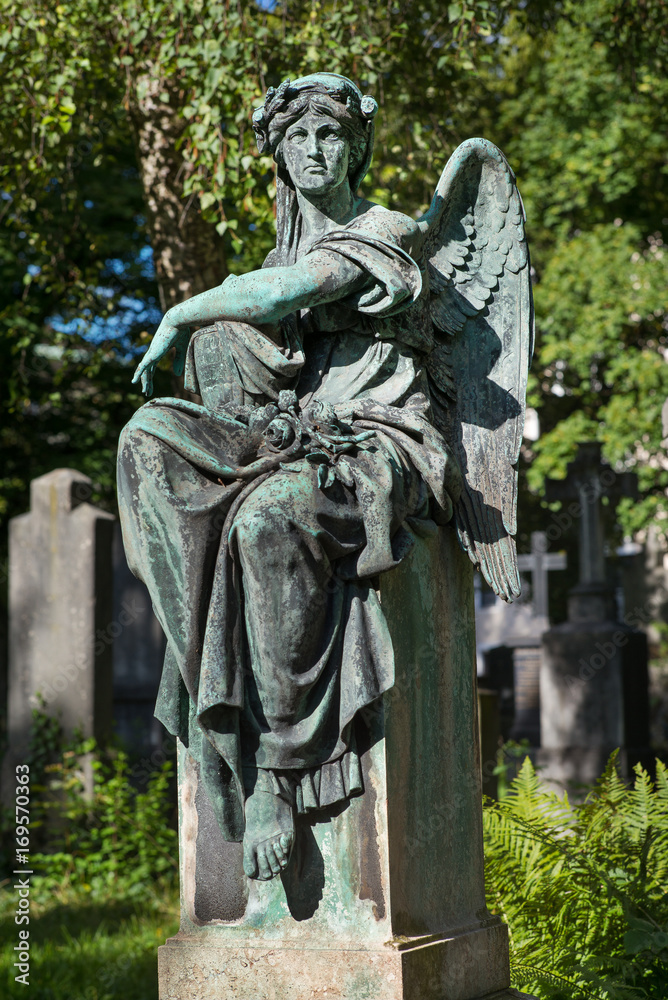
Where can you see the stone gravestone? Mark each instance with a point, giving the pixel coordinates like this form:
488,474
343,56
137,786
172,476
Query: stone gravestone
60,613
509,643
594,680
539,562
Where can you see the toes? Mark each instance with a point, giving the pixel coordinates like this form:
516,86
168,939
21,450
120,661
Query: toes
286,844
274,863
250,865
280,853
265,871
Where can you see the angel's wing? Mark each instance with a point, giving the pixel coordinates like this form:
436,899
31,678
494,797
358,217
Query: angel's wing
482,311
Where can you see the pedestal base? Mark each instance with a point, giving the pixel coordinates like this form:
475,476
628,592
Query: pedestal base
453,968
383,900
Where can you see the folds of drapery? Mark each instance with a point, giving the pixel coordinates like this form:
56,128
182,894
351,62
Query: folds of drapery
195,482
176,504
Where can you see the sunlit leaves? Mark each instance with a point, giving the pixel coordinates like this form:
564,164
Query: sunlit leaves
584,125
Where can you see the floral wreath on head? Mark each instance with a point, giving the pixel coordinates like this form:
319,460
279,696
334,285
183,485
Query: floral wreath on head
278,99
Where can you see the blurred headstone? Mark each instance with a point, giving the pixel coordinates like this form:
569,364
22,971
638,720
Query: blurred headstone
509,642
499,677
138,654
60,614
489,727
594,678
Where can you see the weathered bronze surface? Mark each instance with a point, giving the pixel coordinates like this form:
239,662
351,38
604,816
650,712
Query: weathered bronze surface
364,387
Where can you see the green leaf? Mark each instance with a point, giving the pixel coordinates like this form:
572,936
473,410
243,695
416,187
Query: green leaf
636,940
206,199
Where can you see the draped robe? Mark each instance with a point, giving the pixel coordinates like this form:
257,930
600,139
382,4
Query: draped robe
260,519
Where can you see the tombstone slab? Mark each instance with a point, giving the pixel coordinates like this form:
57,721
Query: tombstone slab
60,612
594,676
384,901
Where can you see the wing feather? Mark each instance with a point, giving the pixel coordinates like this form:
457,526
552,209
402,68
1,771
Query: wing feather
478,267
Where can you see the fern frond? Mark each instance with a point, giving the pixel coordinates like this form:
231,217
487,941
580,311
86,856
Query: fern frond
573,881
524,975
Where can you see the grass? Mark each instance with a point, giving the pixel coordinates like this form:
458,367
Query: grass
84,948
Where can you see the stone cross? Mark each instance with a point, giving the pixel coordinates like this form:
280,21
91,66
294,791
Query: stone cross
587,481
60,613
539,562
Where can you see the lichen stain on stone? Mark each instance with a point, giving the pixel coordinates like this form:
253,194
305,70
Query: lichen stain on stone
371,883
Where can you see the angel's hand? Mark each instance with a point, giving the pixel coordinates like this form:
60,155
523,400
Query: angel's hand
167,335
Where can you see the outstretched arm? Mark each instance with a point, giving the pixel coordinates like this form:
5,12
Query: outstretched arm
258,297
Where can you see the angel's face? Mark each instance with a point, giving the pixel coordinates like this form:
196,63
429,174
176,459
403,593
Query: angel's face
316,153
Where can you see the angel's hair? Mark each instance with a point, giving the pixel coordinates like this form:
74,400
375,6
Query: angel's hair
324,93
354,127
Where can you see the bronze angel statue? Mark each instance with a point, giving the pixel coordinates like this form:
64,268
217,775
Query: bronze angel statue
366,385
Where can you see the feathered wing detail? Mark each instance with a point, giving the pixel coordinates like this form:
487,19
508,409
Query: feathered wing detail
482,310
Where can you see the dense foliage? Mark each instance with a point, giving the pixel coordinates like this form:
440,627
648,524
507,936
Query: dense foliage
115,837
103,893
129,179
583,887
92,830
581,109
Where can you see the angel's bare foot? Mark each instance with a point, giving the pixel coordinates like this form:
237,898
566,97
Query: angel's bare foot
269,836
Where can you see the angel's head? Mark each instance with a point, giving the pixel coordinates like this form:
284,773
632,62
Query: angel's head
319,130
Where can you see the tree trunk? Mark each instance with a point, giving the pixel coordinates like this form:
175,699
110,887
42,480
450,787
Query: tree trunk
188,252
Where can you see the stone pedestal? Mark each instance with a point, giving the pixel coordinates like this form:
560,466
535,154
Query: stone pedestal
384,901
60,613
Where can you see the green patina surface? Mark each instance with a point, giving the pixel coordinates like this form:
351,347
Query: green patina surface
364,387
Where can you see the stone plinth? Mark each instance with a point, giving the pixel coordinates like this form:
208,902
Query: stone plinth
384,901
60,613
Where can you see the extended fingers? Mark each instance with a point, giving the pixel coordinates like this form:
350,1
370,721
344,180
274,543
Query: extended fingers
147,380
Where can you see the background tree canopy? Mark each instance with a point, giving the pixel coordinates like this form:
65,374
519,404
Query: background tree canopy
129,180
